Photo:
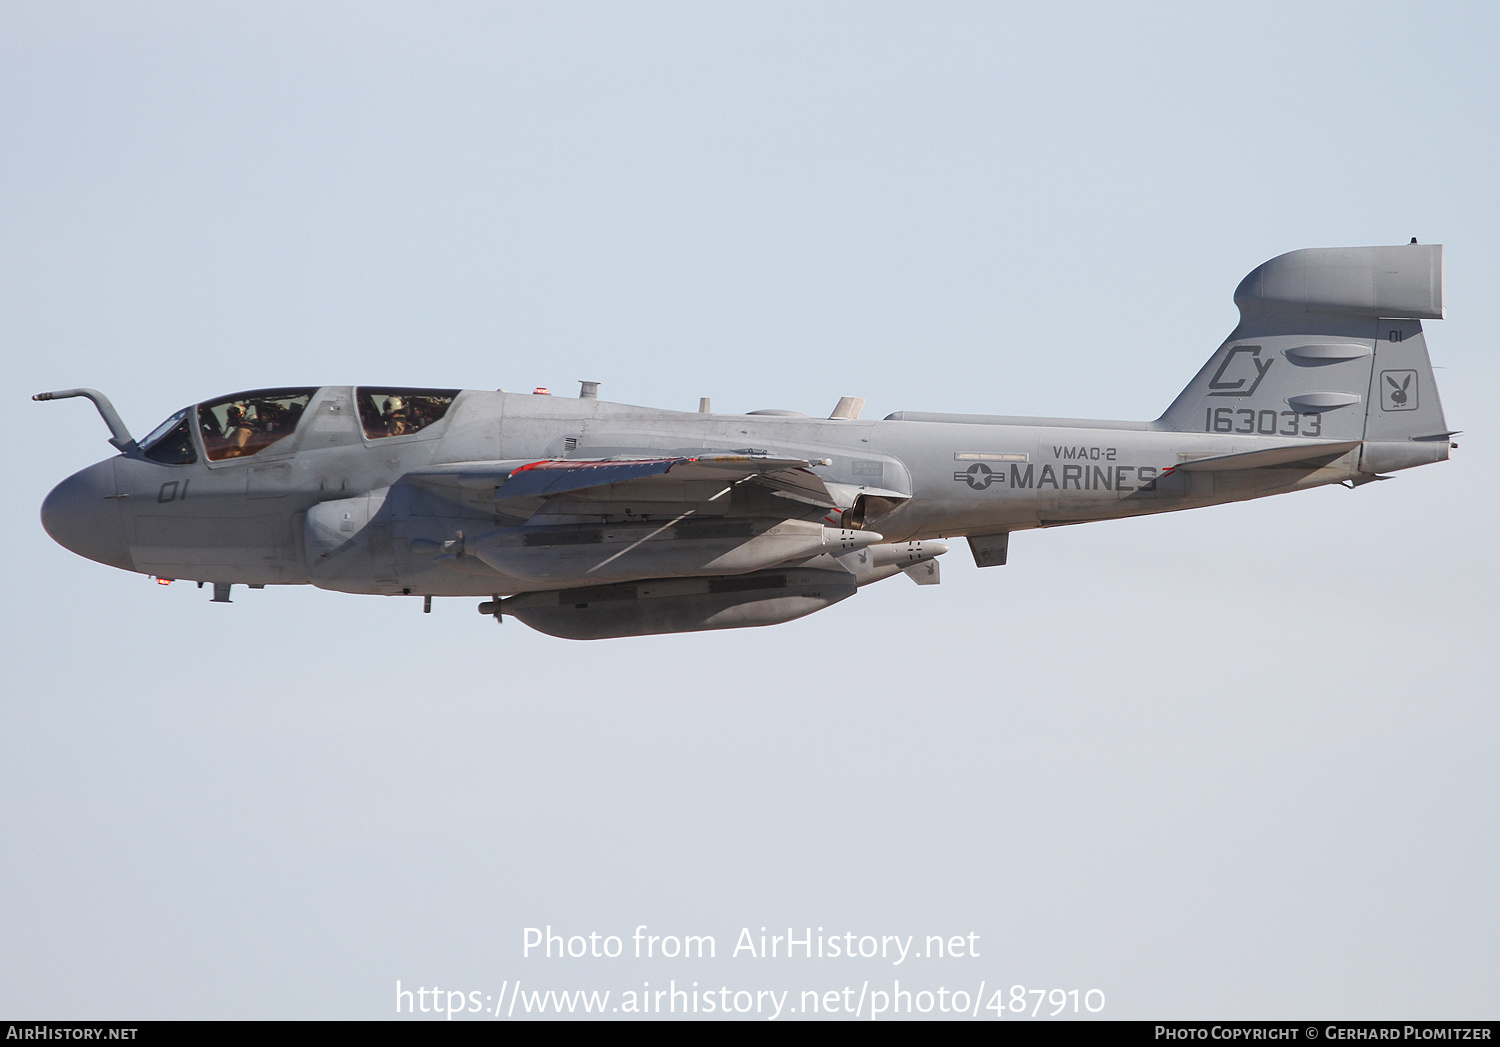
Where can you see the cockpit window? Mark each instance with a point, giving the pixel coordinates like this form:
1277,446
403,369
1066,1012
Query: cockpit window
171,443
161,430
247,423
397,412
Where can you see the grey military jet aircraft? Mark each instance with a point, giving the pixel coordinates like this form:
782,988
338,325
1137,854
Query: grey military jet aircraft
587,519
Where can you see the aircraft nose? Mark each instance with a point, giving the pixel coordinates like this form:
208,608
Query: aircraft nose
83,516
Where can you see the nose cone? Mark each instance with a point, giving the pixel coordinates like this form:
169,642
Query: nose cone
82,515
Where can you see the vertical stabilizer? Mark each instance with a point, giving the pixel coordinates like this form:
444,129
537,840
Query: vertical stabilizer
1329,347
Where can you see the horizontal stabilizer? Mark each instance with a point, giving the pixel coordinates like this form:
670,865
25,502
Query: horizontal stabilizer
1272,456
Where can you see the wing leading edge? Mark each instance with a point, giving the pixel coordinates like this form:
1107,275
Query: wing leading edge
546,478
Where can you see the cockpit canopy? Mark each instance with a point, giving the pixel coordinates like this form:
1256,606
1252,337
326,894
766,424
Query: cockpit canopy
245,424
397,412
171,443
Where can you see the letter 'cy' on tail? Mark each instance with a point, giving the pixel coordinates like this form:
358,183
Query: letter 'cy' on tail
1330,347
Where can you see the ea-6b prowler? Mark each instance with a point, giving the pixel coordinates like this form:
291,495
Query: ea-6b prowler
588,519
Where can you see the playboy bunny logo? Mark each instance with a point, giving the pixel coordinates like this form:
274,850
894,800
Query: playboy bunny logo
1398,393
1398,390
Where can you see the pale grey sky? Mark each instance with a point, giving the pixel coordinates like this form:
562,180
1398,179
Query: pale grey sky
1231,763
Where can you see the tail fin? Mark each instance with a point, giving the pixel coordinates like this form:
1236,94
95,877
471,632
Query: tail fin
1330,346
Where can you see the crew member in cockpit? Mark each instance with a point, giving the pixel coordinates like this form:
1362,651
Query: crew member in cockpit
241,424
396,417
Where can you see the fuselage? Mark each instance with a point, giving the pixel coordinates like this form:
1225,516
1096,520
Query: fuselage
245,519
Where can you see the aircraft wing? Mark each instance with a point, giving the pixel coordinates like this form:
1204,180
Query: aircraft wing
559,476
518,480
